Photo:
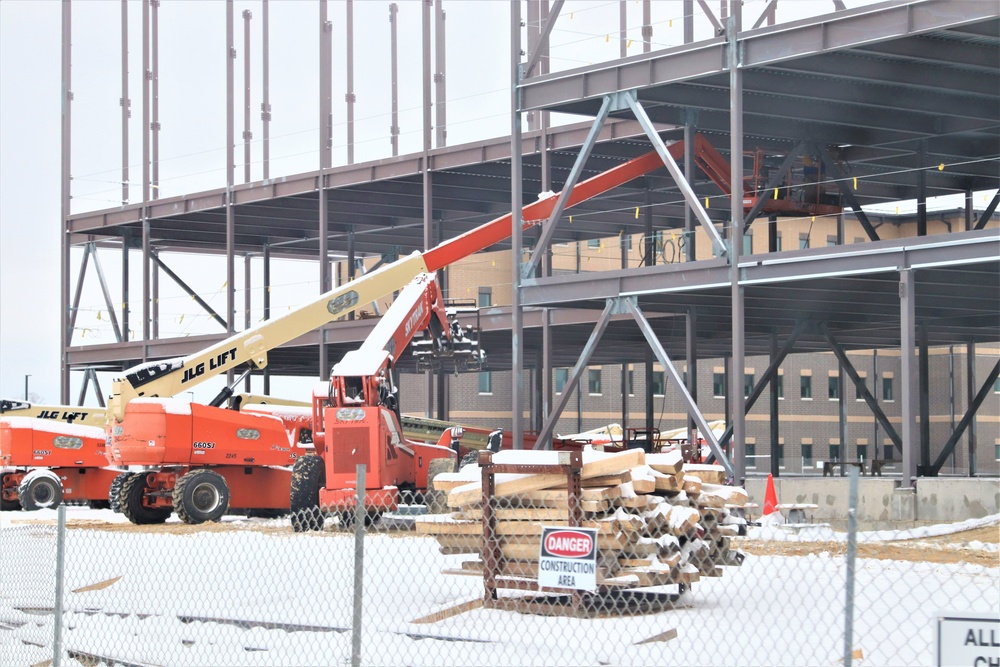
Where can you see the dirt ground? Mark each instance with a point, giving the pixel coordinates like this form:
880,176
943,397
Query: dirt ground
951,548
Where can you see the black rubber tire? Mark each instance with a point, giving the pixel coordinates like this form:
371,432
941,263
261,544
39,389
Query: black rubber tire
99,504
347,519
8,505
201,495
133,490
115,491
40,493
308,477
266,513
471,457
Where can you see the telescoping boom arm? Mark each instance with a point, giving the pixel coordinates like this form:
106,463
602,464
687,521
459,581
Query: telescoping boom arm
173,376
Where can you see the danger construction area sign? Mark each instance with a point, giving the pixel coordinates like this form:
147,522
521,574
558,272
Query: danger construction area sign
568,558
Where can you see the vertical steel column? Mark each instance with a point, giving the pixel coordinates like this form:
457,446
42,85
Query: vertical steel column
534,30
265,105
875,374
147,259
842,412
970,388
267,294
623,246
925,401
775,424
733,27
154,78
428,135
908,374
125,102
326,161
649,259
325,88
517,321
647,26
546,265
230,173
350,96
247,134
922,193
126,243
622,33
440,66
393,80
969,215
691,352
690,238
688,10
154,269
65,331
246,305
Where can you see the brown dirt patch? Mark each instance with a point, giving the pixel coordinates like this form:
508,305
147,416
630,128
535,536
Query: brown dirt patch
950,548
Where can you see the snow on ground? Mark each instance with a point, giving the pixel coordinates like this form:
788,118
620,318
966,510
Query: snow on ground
156,598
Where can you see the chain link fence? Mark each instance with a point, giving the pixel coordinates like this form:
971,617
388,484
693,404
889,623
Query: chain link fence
673,573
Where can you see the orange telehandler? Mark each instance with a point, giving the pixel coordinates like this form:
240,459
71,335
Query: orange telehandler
50,454
356,416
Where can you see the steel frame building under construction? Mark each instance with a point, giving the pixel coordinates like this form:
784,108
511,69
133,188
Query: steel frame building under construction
901,97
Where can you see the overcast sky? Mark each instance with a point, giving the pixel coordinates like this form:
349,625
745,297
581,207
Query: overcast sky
192,140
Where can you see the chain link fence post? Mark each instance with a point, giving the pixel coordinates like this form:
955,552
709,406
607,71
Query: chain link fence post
360,513
852,538
57,612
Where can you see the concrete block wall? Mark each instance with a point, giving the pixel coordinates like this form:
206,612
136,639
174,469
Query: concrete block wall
882,504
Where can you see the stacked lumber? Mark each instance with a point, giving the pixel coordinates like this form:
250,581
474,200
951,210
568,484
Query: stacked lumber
659,521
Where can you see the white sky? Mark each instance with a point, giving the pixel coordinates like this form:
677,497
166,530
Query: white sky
192,140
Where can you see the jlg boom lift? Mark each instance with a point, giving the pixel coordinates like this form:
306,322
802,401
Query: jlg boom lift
223,452
50,454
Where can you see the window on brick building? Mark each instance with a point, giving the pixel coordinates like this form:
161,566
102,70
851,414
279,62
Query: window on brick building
833,387
887,389
888,451
747,384
805,386
485,297
594,381
834,452
658,383
781,387
561,378
485,382
807,455
858,393
862,452
718,385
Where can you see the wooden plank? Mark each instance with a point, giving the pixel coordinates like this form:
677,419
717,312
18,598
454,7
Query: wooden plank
449,612
691,484
469,494
662,637
667,483
598,465
708,472
733,495
669,463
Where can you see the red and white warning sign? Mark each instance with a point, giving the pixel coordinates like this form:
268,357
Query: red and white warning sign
568,558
